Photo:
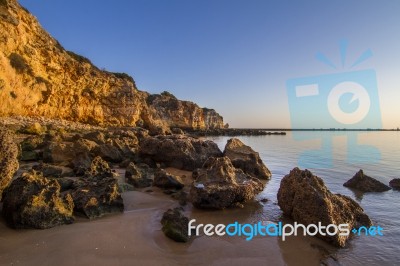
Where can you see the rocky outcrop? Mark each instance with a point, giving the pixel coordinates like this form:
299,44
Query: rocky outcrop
175,225
97,193
305,198
162,179
395,183
8,159
179,151
54,171
33,201
184,114
245,158
38,77
220,185
364,183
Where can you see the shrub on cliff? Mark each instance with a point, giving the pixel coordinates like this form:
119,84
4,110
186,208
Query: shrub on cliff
19,63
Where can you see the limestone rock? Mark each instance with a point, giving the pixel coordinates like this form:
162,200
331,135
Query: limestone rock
175,225
305,198
179,151
220,185
33,201
167,181
364,183
140,176
8,159
245,158
97,193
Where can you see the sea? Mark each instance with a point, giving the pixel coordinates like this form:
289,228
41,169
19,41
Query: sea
336,156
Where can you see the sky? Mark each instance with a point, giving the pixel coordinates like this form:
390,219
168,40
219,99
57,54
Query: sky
238,56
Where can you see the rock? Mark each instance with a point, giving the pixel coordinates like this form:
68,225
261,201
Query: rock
32,143
245,158
139,176
65,183
164,180
34,129
175,225
96,136
365,183
304,197
29,156
109,153
59,153
179,151
177,130
99,169
395,183
81,163
49,170
8,159
33,201
97,193
220,185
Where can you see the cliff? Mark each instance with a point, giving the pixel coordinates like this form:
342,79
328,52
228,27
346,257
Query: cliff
38,77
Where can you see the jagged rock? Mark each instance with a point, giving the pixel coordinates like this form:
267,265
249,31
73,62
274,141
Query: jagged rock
395,183
59,153
305,198
245,158
97,193
109,153
82,159
8,159
365,183
164,180
220,185
65,183
175,225
177,130
140,176
179,151
33,201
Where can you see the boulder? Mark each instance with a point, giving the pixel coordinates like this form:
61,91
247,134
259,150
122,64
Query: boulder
33,201
365,183
220,185
109,153
179,151
8,159
59,153
97,193
395,183
304,197
167,181
96,136
175,225
245,158
140,176
32,143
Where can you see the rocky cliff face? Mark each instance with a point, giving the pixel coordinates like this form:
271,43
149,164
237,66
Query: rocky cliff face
38,77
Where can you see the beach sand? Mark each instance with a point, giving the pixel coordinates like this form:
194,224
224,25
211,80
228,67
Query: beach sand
135,238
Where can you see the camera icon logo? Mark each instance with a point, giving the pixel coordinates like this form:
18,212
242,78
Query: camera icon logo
338,102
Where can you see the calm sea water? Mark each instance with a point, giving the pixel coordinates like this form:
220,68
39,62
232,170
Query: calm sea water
337,160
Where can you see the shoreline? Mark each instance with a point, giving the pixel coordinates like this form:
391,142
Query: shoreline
135,235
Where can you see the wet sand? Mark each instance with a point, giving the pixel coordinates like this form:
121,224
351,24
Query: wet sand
135,238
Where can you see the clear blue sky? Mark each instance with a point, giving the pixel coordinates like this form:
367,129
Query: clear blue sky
233,56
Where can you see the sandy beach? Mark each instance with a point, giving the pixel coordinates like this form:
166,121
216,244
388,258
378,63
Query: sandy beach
135,238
